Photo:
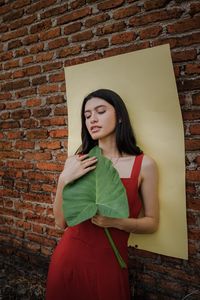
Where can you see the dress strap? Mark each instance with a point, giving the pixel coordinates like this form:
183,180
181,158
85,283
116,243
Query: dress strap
137,166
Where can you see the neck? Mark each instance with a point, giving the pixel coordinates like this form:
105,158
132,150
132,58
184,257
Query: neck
109,147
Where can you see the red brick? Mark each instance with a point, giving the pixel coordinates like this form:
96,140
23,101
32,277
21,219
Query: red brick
23,22
11,64
61,157
27,60
37,134
44,57
30,123
109,4
148,5
46,251
37,228
191,115
9,154
55,99
14,44
82,36
19,165
53,121
193,176
6,56
14,34
12,15
5,115
48,188
30,39
14,135
184,25
126,12
41,112
40,176
20,3
126,49
122,38
195,129
46,89
103,43
194,8
79,60
90,22
21,186
49,166
26,92
196,99
69,51
192,69
50,145
186,40
111,28
71,28
36,197
54,11
33,102
21,52
155,16
14,85
5,8
58,133
22,224
39,47
38,156
74,15
5,96
188,84
42,4
52,66
150,32
9,125
60,110
50,34
4,76
77,3
193,204
57,43
57,77
21,114
191,144
39,80
184,55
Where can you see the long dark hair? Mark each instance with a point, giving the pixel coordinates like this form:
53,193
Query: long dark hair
125,139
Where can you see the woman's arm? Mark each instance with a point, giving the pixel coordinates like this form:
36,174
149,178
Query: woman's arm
149,191
75,167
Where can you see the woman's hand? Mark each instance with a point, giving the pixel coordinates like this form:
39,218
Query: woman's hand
105,222
77,166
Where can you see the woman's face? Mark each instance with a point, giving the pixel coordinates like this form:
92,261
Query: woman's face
100,118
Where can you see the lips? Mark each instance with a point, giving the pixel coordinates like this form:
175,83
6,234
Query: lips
94,129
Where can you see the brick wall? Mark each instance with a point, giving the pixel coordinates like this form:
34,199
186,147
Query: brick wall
40,38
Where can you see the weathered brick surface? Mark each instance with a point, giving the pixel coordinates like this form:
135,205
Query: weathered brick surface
39,38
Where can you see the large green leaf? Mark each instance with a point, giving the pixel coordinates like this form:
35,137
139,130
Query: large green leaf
100,191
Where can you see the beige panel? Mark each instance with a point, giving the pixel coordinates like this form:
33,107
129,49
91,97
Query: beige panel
145,81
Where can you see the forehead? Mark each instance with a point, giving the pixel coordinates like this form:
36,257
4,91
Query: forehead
95,102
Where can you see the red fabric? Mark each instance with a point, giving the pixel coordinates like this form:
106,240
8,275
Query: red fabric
83,265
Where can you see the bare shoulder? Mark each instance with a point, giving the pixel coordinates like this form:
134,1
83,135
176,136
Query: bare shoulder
148,165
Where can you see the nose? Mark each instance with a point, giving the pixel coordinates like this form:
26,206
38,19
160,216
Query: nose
93,118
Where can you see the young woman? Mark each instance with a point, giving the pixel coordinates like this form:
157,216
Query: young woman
83,266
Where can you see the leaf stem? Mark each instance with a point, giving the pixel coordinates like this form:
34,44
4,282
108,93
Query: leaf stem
117,254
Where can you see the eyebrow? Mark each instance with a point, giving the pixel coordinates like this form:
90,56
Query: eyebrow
96,107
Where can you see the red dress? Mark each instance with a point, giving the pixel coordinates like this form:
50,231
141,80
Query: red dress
83,265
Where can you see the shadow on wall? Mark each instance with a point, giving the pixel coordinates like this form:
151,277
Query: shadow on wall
20,280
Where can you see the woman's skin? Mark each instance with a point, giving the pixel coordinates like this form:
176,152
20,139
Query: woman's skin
100,120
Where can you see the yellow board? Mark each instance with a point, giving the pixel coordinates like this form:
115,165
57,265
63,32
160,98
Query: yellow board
145,81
